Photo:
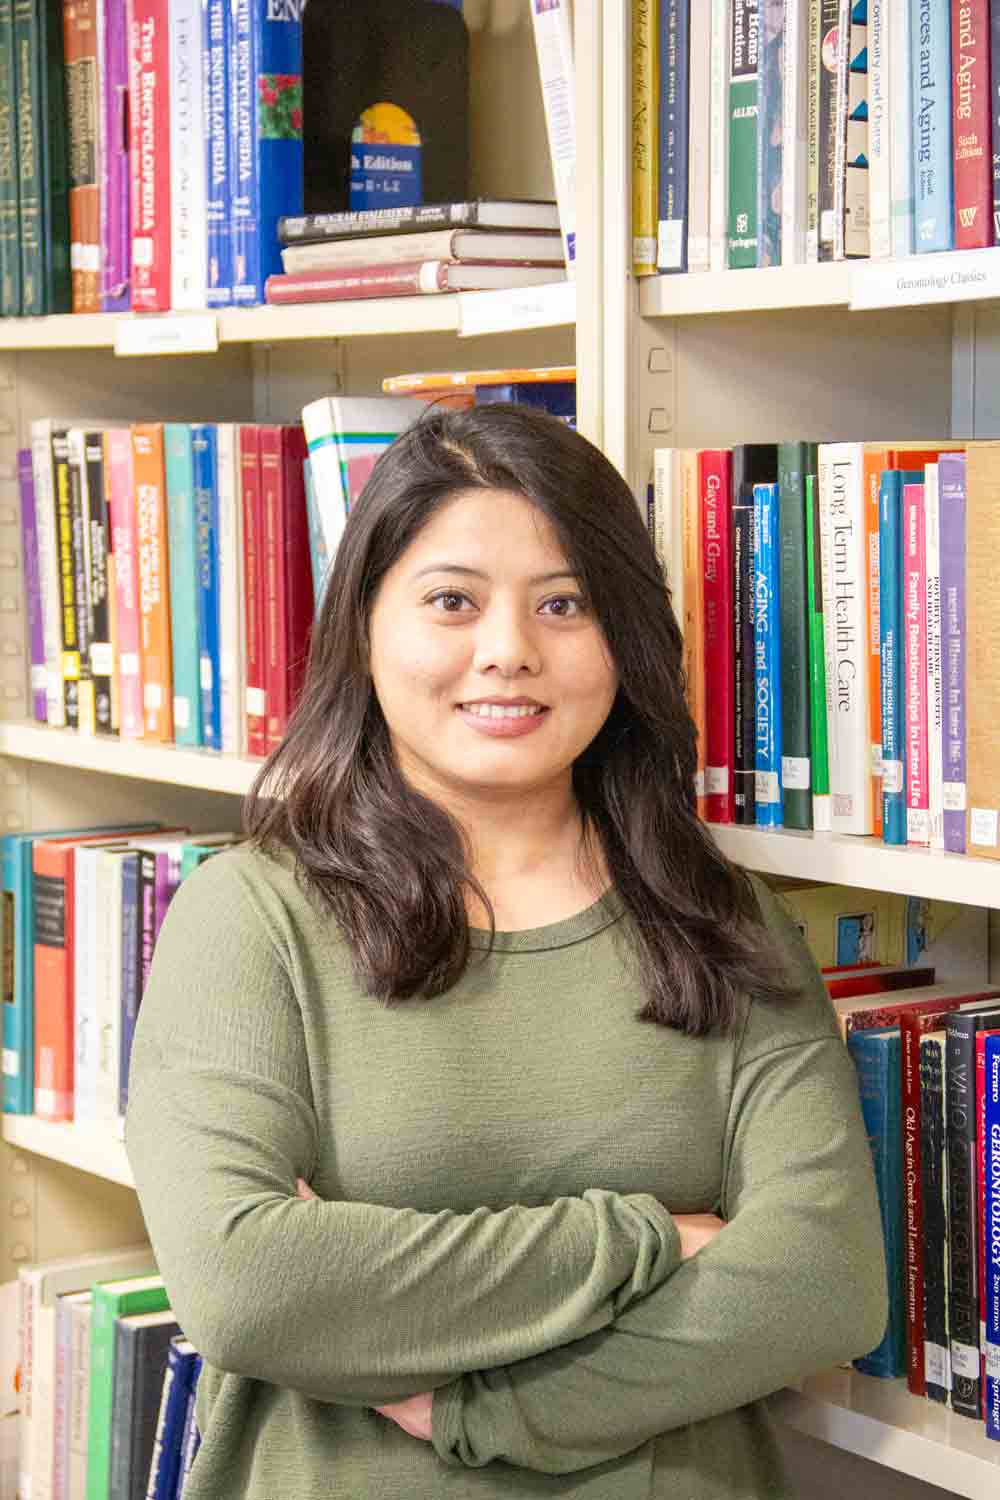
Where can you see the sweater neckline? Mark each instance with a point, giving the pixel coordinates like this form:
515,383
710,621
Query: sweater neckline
608,908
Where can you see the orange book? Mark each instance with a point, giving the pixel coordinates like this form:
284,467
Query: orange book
431,383
693,624
154,580
82,109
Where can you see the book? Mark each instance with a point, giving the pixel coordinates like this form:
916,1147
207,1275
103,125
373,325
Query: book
99,708
971,127
10,251
856,173
932,558
752,464
206,498
831,48
232,625
482,213
715,485
255,702
116,187
991,1183
288,597
718,207
933,201
767,657
951,490
672,139
142,1344
113,1299
693,625
475,245
881,63
795,133
72,1383
166,1457
818,739
645,87
154,580
83,141
32,583
125,550
187,211
892,652
553,30
183,552
983,650
216,46
698,126
875,1055
406,279
770,130
901,166
39,77
794,461
934,1193
149,154
741,168
434,383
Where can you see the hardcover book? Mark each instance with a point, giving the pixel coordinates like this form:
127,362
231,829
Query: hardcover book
767,657
971,125
951,491
933,202
742,159
983,648
149,154
794,462
672,130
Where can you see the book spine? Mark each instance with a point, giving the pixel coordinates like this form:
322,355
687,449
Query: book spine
62,1392
149,146
48,569
79,1410
86,1025
32,583
815,48
699,137
130,973
767,657
10,254
845,622
76,445
231,693
191,1440
70,640
840,144
744,60
125,549
857,205
553,29
877,1062
182,541
253,573
931,110
796,780
901,140
206,497
26,70
294,542
215,51
982,637
188,229
718,208
645,73
995,115
937,1359
818,734
915,624
795,132
80,40
147,916
98,538
268,171
115,196
880,127
770,131
715,477
125,1350
694,612
910,1028
971,128
407,279
53,964
276,642
891,663
874,462
154,580
951,487
935,706
832,40
672,175
992,1217
744,689
108,979
57,294
981,1200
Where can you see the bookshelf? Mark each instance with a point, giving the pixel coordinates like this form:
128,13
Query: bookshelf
679,361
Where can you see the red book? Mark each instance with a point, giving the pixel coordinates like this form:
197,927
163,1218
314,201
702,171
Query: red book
918,829
411,278
149,154
715,481
288,595
253,589
299,596
972,148
878,981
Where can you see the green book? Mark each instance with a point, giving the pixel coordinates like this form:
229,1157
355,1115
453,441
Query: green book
10,255
43,164
195,851
112,1300
184,585
28,168
820,763
794,462
743,100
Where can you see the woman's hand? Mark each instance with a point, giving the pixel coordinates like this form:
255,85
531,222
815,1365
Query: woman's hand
413,1414
696,1231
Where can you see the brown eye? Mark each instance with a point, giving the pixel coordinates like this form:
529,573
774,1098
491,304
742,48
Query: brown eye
449,603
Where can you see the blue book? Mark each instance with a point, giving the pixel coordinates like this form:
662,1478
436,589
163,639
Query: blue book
206,500
991,1185
182,538
130,993
191,1438
672,146
770,130
930,80
215,49
876,1056
558,397
166,1461
319,557
767,657
266,85
892,652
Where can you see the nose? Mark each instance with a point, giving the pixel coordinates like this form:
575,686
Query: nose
505,642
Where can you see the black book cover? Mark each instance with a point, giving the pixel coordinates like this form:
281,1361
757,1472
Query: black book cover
753,463
933,1189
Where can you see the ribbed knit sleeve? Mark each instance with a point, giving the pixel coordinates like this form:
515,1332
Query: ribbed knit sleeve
795,1280
348,1302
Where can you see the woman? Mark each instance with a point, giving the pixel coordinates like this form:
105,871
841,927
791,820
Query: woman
545,1248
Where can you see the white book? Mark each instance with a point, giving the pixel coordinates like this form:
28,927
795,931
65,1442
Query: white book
845,632
64,1389
232,654
901,138
795,133
880,127
188,203
699,135
840,156
78,1415
553,28
39,1286
814,51
668,522
109,923
718,213
48,566
85,1023
935,681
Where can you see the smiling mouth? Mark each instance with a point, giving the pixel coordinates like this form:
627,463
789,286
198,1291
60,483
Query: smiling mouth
503,711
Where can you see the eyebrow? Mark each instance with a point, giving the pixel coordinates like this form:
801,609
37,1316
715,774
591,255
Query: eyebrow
445,567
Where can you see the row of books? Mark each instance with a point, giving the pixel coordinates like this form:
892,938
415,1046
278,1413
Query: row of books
782,132
836,603
107,1380
82,911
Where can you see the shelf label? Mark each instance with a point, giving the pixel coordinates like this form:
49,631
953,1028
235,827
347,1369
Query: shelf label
526,307
197,333
959,276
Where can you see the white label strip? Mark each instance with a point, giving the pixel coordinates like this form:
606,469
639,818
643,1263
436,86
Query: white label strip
527,307
959,276
196,333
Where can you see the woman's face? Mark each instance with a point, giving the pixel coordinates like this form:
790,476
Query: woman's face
490,670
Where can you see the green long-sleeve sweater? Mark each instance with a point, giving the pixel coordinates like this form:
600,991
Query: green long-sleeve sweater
497,1169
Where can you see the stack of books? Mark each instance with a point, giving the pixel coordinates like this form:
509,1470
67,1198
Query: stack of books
406,252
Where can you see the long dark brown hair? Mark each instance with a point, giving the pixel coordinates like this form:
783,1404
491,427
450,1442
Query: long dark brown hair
390,864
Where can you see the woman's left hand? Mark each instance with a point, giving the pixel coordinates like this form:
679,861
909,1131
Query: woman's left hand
414,1414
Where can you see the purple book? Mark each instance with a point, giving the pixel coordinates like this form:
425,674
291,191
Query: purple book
32,584
116,242
951,489
168,878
